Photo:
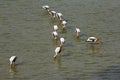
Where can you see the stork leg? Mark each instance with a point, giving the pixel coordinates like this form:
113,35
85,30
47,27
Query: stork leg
11,65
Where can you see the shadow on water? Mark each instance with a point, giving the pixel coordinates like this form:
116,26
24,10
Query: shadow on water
14,70
20,63
69,45
110,73
81,36
55,42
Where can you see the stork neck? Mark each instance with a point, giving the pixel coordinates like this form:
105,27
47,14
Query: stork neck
61,45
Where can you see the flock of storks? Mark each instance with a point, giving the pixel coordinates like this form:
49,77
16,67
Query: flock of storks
63,23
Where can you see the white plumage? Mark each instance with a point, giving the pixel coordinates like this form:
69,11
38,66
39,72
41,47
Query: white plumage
77,30
55,34
62,40
53,14
64,23
57,51
45,7
55,27
12,59
59,15
93,39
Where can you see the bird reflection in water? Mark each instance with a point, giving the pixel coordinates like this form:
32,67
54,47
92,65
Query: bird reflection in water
55,42
94,47
13,72
58,62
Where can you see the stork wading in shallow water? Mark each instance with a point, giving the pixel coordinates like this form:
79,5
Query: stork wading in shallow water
12,61
55,27
53,14
55,35
62,41
64,23
46,7
93,40
59,16
77,31
57,51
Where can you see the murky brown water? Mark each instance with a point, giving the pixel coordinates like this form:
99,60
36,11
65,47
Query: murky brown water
25,31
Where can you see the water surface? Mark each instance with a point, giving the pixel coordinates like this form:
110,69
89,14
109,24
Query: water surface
25,31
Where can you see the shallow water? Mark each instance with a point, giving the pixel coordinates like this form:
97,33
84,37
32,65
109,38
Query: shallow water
25,31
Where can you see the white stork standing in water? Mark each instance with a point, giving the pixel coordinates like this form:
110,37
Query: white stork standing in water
47,8
59,16
12,61
63,25
55,27
62,41
53,14
93,40
57,51
55,35
77,31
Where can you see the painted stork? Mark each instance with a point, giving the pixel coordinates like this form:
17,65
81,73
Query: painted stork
53,14
62,41
57,51
55,35
64,24
93,40
59,16
77,31
46,7
12,61
55,27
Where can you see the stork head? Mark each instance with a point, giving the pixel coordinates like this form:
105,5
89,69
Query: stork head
97,40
